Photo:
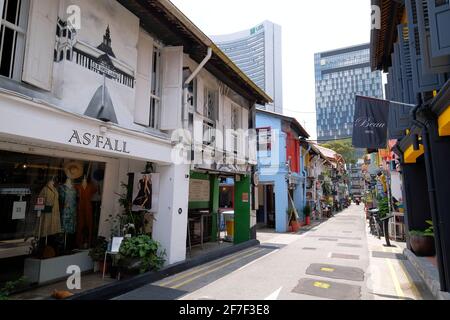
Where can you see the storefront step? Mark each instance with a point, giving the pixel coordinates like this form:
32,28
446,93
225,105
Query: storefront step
122,287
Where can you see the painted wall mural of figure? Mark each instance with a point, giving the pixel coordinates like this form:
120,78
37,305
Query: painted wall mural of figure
144,196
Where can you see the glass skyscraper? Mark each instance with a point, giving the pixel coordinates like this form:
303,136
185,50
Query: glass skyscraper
257,52
341,75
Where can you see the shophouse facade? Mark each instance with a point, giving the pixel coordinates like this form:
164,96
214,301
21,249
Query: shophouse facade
281,168
412,46
93,95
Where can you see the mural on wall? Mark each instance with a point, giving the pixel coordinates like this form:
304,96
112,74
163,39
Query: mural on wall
112,77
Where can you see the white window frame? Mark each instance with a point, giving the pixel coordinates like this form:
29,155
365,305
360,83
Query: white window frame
155,90
20,34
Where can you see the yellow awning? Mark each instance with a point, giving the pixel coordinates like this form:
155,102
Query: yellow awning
411,155
444,123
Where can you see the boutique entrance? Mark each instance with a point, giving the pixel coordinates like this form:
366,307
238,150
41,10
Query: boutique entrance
49,208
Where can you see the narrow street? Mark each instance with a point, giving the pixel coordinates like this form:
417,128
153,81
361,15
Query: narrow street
337,259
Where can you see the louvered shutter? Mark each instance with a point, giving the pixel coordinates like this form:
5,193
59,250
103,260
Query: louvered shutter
229,140
245,121
430,64
200,95
172,88
143,79
40,44
422,82
407,79
396,63
439,27
399,120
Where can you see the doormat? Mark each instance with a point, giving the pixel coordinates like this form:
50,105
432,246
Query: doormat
328,289
336,272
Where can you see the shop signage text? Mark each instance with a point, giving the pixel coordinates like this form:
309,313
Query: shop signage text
99,142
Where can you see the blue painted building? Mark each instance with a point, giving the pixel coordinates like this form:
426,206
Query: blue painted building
281,169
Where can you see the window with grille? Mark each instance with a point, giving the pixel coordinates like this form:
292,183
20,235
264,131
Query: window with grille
13,29
264,143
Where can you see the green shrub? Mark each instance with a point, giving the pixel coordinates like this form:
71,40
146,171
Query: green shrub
146,250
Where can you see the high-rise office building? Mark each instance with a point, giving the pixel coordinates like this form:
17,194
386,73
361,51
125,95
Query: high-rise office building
257,52
342,74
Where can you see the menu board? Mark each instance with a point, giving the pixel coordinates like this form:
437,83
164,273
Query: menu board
199,190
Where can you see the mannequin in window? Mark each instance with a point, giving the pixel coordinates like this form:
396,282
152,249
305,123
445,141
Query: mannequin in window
144,197
86,191
51,221
68,197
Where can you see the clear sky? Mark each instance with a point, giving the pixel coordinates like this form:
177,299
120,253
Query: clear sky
307,26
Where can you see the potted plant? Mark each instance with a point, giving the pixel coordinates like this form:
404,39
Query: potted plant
140,254
294,225
97,253
307,213
422,242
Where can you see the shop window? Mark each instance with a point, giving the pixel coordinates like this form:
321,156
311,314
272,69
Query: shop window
49,207
13,29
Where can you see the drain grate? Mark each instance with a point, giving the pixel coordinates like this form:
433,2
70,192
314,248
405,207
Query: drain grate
336,272
344,256
328,239
328,289
388,255
310,249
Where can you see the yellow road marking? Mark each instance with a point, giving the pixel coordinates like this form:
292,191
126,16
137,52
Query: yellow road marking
212,270
199,269
394,277
322,285
414,288
327,269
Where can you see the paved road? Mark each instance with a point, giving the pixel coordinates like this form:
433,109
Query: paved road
337,259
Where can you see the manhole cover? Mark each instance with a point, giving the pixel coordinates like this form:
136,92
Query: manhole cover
388,255
349,245
336,272
328,239
328,289
344,256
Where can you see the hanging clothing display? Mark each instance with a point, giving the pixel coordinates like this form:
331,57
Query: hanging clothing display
50,217
68,197
85,221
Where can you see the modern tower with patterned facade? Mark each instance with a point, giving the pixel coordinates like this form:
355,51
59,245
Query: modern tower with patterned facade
342,74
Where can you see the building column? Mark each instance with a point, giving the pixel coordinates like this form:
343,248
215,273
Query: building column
281,204
242,210
215,193
170,227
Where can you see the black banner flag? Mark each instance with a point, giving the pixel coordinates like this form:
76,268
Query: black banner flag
370,126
